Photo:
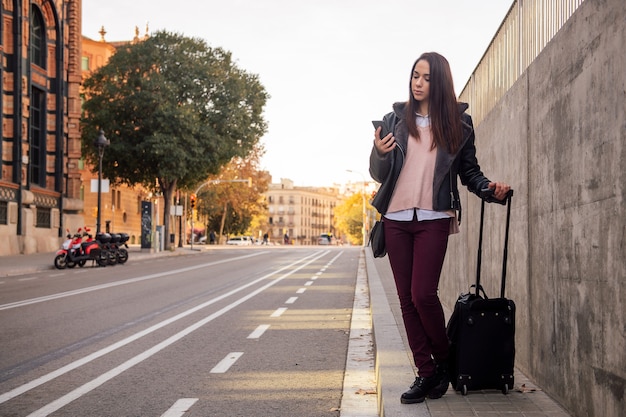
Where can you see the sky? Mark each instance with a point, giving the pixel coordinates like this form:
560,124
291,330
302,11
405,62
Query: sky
329,66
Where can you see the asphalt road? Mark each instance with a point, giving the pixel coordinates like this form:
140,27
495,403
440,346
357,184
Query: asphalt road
235,332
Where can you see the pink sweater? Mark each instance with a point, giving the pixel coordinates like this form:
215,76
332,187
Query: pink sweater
414,188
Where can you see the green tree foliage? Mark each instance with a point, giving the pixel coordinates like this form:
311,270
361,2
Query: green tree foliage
175,111
349,218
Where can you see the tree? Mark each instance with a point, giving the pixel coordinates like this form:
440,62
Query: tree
231,206
349,215
175,111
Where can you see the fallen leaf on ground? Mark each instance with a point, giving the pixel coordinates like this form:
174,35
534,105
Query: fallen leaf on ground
524,389
365,392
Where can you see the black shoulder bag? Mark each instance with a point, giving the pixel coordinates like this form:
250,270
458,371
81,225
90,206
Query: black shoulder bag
377,239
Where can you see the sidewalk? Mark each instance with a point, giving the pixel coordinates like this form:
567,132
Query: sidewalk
395,370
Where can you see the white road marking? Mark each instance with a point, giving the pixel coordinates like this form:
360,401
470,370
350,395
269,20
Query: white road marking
308,283
291,300
301,291
117,283
28,279
180,407
278,312
258,332
225,364
90,386
360,371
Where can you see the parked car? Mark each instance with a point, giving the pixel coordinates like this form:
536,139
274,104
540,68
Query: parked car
326,239
239,241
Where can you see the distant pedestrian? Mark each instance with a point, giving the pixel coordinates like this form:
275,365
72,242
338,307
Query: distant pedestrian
430,143
286,239
212,238
266,238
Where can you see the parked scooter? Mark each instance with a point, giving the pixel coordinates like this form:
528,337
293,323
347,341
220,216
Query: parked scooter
108,253
114,247
120,247
74,251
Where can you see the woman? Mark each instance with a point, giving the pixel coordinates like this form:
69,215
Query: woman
431,142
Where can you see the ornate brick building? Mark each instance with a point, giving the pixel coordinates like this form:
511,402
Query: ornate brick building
40,68
121,204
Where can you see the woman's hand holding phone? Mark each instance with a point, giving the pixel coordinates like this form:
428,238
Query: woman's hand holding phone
384,142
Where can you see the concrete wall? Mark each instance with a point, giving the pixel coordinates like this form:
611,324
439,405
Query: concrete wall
558,138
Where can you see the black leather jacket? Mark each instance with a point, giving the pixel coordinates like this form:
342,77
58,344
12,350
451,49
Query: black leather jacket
385,169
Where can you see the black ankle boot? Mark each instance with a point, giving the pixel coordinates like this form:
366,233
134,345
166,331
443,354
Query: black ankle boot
420,389
443,380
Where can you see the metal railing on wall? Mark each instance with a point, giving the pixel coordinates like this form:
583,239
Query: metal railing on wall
526,30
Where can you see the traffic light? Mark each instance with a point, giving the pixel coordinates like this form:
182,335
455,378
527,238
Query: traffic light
192,200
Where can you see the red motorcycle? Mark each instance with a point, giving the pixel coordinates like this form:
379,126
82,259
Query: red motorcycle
76,251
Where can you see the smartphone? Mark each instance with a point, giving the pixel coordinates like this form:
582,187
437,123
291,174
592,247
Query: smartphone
383,131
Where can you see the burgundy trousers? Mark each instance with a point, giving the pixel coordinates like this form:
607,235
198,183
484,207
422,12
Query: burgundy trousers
416,252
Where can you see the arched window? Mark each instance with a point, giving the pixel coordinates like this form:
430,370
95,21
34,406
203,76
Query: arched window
38,137
38,93
37,38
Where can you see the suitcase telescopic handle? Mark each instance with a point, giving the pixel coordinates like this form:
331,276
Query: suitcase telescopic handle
487,195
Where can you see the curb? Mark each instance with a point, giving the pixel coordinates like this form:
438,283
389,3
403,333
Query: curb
394,370
359,385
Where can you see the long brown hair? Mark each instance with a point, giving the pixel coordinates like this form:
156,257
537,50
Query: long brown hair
445,120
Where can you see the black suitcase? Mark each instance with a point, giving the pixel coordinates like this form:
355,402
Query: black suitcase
481,331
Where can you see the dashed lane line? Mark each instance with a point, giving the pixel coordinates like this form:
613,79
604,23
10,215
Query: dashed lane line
258,332
279,312
225,364
180,407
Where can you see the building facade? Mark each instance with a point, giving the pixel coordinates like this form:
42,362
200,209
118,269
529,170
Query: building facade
121,204
45,186
40,140
301,213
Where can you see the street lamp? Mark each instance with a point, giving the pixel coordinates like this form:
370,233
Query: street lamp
101,142
363,231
